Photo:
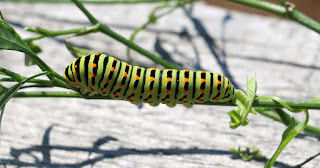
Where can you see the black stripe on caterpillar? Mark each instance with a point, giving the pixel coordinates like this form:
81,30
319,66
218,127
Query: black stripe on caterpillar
105,75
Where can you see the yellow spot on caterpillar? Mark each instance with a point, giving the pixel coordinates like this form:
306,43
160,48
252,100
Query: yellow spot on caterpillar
202,80
219,74
169,69
153,68
169,79
186,80
111,69
219,82
94,65
151,79
187,70
227,78
139,67
127,64
137,77
96,54
115,59
203,71
76,66
227,85
125,74
108,80
90,87
93,76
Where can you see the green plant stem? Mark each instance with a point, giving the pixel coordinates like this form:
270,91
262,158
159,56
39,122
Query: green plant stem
283,117
18,78
48,33
38,81
152,19
256,102
281,11
106,30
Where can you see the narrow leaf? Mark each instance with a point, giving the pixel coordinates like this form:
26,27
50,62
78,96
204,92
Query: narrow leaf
292,130
8,94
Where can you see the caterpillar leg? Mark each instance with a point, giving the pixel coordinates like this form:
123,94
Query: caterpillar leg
171,104
188,105
154,104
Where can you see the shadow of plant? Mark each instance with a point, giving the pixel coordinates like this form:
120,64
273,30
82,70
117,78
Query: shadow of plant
45,153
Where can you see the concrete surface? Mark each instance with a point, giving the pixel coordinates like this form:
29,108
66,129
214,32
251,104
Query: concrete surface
61,132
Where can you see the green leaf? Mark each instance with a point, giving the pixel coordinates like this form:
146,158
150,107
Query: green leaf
78,52
247,153
244,103
27,58
9,93
236,119
9,39
35,48
2,90
280,101
13,75
292,130
1,114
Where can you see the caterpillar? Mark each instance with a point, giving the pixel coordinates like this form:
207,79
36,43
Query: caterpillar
105,75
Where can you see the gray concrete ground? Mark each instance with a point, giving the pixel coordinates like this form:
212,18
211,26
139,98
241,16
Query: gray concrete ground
60,132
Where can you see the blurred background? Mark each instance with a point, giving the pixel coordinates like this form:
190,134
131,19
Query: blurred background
308,7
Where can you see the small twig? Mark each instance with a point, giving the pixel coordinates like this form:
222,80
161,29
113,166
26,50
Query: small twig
293,14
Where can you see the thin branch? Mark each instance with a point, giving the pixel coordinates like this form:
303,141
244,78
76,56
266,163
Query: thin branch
106,30
282,11
49,33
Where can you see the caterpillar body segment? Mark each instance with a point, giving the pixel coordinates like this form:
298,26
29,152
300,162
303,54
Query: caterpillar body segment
105,75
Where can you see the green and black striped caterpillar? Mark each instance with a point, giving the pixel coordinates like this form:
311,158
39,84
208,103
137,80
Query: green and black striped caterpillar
105,75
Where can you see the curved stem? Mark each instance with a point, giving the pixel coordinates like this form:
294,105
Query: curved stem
106,30
282,11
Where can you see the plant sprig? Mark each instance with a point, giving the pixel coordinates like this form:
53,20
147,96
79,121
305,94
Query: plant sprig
247,102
